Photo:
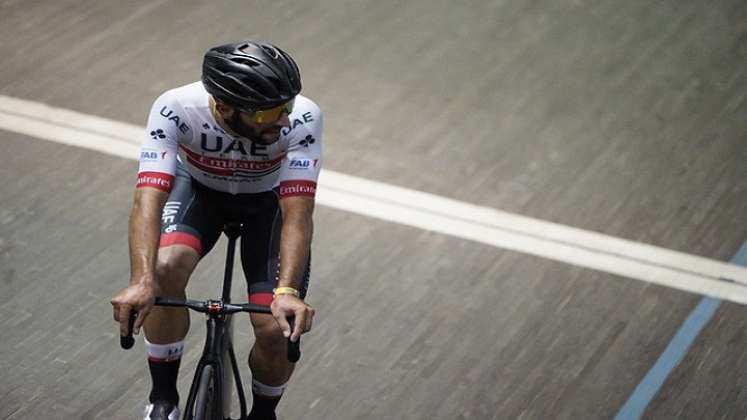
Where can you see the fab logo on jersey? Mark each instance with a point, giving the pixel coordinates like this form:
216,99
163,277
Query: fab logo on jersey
302,163
150,155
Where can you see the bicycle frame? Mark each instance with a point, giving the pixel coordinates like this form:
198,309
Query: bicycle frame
218,350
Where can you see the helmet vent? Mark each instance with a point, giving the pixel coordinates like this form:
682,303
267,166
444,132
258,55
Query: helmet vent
245,61
272,52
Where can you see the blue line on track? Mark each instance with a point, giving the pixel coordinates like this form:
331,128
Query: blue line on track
675,351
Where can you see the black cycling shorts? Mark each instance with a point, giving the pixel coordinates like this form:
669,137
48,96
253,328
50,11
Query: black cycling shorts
194,215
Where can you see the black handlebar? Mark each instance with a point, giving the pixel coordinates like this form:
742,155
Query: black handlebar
214,307
294,348
126,341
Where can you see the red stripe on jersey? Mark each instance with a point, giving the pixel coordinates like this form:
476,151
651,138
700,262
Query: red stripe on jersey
216,163
297,188
264,299
209,169
159,180
181,238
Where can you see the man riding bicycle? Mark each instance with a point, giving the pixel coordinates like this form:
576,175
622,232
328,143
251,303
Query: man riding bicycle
240,146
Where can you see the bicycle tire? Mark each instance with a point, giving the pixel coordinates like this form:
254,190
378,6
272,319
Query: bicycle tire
203,408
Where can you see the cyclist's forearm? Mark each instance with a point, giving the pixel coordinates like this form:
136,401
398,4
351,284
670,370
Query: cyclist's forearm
144,233
295,241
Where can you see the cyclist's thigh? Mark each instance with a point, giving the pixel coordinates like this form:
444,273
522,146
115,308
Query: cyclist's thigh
260,252
190,226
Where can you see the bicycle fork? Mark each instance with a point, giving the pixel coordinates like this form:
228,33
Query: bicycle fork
219,354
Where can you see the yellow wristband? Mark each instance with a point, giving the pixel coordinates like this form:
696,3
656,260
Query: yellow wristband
285,291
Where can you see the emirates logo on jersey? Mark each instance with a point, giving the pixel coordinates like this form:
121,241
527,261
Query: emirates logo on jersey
297,188
157,180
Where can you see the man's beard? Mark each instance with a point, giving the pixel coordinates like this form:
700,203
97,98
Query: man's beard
250,133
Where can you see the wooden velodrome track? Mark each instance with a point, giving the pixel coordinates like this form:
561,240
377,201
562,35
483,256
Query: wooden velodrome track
625,118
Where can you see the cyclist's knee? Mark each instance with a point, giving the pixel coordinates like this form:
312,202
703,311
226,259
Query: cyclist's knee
173,268
268,333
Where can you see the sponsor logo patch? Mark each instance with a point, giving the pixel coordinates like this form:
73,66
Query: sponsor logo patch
215,144
232,167
176,119
307,141
302,163
170,209
157,180
157,134
148,156
305,118
297,188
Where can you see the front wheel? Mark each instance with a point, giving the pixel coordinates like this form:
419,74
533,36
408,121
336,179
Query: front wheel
205,399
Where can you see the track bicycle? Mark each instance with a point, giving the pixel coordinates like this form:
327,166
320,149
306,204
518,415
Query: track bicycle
210,393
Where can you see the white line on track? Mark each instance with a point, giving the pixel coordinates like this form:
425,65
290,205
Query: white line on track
426,211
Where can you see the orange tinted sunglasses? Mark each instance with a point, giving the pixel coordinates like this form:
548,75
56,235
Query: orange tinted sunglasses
264,116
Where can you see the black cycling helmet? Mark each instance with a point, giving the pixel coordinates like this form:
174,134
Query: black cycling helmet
250,75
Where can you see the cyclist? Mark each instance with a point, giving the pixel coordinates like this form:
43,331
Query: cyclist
239,145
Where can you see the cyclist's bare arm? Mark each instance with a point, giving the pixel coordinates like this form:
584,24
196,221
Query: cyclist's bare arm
154,181
295,239
295,242
144,233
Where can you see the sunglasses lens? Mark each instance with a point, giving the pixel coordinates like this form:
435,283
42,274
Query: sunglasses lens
264,116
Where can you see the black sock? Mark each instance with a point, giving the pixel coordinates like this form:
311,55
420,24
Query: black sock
263,407
164,375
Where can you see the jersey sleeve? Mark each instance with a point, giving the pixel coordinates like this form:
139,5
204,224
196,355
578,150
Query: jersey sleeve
300,168
166,123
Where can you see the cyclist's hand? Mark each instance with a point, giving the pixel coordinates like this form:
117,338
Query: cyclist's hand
135,297
284,306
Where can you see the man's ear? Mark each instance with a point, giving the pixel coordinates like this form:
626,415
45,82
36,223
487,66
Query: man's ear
226,111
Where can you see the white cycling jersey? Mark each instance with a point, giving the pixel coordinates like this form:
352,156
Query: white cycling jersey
181,126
